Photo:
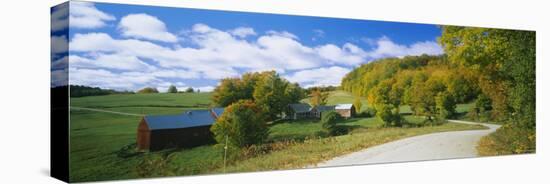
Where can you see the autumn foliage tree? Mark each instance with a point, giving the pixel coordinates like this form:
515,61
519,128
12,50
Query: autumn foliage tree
505,60
318,97
267,89
415,81
243,123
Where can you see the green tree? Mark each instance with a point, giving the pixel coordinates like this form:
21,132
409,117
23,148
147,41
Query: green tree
270,94
386,100
294,93
329,122
483,103
189,90
389,115
172,89
148,90
267,89
243,123
445,105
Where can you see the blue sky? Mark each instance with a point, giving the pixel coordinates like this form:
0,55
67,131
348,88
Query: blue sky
128,47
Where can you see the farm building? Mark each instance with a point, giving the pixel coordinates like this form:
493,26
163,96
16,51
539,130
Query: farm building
303,111
345,110
317,111
188,129
299,111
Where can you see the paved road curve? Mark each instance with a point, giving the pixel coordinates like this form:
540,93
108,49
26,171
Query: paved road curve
443,145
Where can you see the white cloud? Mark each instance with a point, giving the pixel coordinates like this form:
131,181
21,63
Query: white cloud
387,48
59,77
243,32
349,54
110,61
318,33
144,26
107,79
175,73
85,15
61,63
219,54
282,34
60,17
427,47
59,44
329,76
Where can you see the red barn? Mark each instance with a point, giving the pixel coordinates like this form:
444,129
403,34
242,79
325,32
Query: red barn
189,129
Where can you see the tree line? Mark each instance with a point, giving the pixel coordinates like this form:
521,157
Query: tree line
495,68
505,61
81,91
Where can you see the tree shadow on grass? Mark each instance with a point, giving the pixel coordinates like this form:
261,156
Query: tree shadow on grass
128,151
344,129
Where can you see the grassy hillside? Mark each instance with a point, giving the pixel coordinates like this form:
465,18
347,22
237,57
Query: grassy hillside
159,103
185,100
341,97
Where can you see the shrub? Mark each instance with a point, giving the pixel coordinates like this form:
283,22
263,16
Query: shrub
480,116
370,112
244,124
329,121
482,109
509,139
389,115
148,90
483,103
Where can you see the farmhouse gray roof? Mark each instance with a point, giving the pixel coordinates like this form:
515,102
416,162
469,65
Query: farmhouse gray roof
323,108
191,118
300,107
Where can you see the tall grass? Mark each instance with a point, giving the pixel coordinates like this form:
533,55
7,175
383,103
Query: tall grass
508,139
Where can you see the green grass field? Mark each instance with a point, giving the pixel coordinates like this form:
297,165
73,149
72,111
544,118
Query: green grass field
102,145
97,138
